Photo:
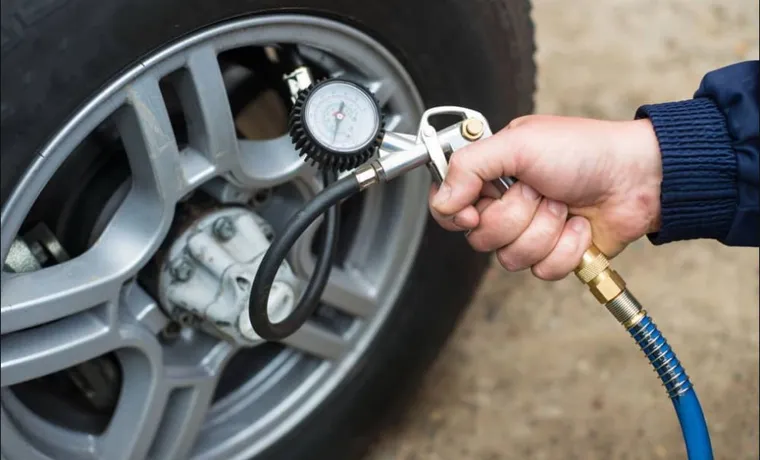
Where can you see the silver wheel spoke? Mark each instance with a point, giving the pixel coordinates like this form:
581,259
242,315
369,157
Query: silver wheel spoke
148,138
44,350
183,416
144,396
350,292
319,342
34,298
347,290
142,221
144,309
165,393
301,257
14,443
211,128
44,436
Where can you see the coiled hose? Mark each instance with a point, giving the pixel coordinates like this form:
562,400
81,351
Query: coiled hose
325,201
676,383
609,288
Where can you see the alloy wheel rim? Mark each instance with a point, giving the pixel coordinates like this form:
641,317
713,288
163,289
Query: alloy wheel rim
120,316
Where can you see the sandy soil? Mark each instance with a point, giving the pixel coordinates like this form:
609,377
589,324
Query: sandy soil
539,371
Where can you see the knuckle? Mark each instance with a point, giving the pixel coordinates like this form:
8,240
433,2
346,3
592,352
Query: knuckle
541,271
498,228
548,272
532,246
544,237
519,218
523,258
545,230
477,242
515,211
484,239
503,258
508,259
542,228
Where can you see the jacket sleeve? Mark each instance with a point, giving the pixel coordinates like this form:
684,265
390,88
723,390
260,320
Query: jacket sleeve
710,167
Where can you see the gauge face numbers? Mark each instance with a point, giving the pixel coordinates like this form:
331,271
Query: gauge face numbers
341,117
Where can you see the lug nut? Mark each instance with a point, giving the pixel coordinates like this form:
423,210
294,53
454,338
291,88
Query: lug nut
224,228
171,331
185,319
261,197
182,270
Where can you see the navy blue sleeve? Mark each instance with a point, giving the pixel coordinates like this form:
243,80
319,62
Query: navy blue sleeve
710,166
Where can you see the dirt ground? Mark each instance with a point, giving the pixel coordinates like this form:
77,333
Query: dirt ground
537,370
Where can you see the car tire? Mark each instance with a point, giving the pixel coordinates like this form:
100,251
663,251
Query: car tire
478,54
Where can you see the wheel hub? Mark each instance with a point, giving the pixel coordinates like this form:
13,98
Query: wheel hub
205,280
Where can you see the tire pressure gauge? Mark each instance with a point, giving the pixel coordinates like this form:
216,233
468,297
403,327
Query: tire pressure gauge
337,124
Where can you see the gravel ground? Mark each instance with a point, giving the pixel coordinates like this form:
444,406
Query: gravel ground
537,370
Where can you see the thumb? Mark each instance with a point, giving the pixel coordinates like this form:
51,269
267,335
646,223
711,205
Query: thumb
473,166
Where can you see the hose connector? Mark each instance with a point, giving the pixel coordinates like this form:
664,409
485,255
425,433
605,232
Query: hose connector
366,175
595,272
608,287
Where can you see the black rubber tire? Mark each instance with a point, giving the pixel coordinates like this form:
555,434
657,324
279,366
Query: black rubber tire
475,53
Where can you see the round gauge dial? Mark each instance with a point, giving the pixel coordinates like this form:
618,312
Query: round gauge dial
336,123
341,116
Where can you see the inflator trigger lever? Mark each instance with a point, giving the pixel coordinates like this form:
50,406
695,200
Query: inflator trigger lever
472,127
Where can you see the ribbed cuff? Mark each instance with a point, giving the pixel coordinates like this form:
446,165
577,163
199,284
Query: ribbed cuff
698,194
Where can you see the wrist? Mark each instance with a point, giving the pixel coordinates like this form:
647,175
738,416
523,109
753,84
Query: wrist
698,187
647,172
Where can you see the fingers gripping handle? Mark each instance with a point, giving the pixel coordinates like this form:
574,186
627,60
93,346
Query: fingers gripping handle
594,269
431,147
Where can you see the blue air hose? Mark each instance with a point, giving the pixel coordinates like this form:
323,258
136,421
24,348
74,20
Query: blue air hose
676,383
609,289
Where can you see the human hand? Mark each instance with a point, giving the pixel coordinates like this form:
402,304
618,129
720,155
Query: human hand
606,174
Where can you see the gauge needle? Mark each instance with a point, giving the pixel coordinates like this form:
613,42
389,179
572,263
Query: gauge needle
338,118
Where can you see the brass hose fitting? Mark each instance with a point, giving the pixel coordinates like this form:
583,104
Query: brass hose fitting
608,287
595,272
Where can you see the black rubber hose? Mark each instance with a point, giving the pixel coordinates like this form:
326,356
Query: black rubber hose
329,198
